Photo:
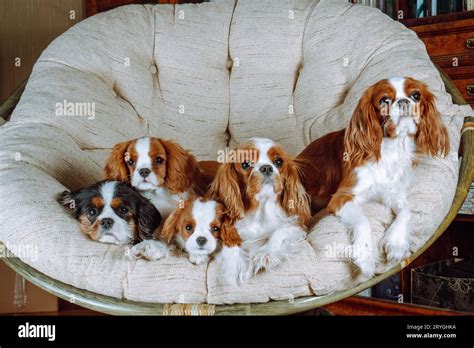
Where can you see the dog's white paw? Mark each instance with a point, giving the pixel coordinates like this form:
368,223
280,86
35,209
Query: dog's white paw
265,261
363,257
244,273
236,266
198,259
395,245
238,274
149,249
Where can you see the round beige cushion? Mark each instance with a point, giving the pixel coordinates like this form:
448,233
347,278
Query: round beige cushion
208,76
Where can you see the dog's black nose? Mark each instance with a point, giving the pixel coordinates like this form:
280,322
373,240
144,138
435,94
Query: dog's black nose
403,103
201,241
144,172
266,170
404,106
107,222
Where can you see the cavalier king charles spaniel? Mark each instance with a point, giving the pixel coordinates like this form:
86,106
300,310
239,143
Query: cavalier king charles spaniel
198,228
160,170
372,160
112,212
267,206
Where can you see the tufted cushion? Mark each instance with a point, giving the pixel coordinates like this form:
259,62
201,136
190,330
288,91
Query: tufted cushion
206,76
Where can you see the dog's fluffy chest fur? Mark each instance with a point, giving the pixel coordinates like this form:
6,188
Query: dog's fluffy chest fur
164,200
265,219
383,179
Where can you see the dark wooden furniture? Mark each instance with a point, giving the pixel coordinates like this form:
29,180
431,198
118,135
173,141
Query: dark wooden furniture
449,40
456,242
358,305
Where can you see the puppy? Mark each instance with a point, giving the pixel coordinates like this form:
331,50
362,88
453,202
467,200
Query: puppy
372,160
111,212
160,170
198,227
267,203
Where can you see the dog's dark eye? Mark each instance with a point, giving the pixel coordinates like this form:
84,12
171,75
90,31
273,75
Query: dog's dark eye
189,228
159,160
246,165
131,162
124,210
279,162
215,229
384,100
416,96
92,212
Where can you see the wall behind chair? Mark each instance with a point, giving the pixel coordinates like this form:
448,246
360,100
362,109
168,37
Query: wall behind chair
27,27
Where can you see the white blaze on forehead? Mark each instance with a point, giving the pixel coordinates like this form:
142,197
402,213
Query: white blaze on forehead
204,213
399,84
142,146
107,191
263,145
121,232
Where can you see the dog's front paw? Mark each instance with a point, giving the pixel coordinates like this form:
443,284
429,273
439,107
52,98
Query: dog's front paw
363,257
238,274
245,273
149,249
236,266
265,261
395,245
231,277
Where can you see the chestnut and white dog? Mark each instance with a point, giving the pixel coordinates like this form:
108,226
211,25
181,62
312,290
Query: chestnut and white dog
198,227
112,212
267,205
372,160
160,170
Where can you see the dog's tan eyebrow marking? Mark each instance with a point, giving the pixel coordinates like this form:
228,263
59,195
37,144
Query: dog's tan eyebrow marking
116,202
98,202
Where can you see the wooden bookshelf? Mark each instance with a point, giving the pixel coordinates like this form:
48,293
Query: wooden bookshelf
449,40
449,37
443,18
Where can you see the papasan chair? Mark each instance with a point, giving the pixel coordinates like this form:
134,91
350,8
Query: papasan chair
210,76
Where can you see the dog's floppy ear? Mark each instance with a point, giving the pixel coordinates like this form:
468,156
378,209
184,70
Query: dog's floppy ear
181,167
68,200
432,136
225,188
229,235
295,200
170,227
364,134
115,166
148,219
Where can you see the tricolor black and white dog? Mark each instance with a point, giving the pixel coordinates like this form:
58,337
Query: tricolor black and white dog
112,212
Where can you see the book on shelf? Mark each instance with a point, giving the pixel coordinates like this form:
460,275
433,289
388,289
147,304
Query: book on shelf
468,5
405,9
